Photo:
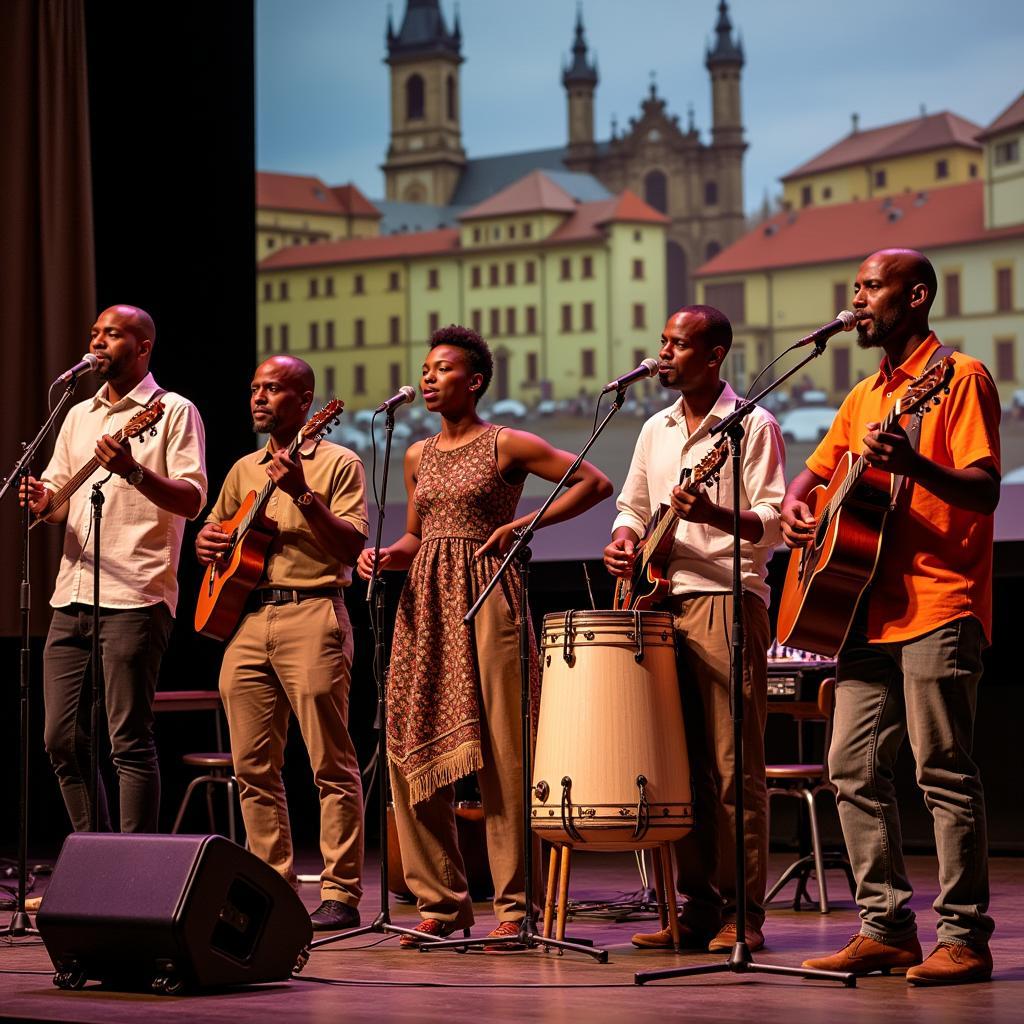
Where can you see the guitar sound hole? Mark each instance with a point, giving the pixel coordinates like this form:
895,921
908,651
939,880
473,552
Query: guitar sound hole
819,533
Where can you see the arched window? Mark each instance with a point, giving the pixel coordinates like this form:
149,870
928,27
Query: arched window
656,191
413,98
712,250
450,98
711,193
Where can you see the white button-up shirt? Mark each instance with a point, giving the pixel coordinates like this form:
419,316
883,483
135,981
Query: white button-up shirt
140,543
701,558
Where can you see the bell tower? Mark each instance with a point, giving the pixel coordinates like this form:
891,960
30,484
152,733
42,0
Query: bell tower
425,157
724,62
579,77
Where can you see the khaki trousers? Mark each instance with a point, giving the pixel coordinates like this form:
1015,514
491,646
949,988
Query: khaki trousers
285,659
707,856
434,869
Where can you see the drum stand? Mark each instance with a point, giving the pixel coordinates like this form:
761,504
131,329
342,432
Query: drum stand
528,934
740,960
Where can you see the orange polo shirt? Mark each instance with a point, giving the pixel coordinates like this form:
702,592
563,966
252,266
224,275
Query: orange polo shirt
936,559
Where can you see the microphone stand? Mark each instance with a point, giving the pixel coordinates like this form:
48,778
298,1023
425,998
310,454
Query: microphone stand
95,784
20,924
381,924
520,552
740,960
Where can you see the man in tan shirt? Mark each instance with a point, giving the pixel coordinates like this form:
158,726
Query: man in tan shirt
292,651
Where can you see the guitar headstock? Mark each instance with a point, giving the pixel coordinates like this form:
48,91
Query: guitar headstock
923,391
146,419
707,469
327,417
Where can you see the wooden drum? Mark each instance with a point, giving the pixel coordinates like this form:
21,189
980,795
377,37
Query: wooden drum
610,770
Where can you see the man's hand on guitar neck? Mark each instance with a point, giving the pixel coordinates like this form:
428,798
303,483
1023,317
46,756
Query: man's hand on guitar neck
287,473
891,452
620,555
693,506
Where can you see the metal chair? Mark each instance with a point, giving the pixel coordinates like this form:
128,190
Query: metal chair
803,782
219,771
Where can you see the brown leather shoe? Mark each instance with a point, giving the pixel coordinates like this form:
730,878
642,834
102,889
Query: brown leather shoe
690,940
864,955
953,963
724,941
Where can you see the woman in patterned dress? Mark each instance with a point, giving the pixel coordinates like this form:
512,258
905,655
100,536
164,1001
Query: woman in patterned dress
453,702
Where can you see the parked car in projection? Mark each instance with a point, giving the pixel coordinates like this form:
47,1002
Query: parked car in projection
806,425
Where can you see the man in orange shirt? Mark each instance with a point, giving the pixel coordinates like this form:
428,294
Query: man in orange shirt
911,663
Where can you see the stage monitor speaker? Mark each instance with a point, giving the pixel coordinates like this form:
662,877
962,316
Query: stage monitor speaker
169,914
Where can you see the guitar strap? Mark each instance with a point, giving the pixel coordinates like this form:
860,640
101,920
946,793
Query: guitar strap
913,431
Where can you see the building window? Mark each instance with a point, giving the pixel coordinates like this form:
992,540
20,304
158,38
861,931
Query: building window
358,285
951,289
359,379
328,334
840,295
656,190
495,322
531,319
880,179
565,271
393,283
268,291
449,96
296,240
510,320
1006,370
414,98
510,273
328,286
588,316
710,193
359,333
527,231
476,234
639,315
840,369
314,336
972,170
282,290
587,363
566,318
432,279
474,277
531,367
271,242
712,250
282,337
268,338
511,231
314,287
731,299
394,372
477,320
1004,289
806,195
826,192
1006,152
588,267
530,271
329,381
492,274
496,231
941,169
638,236
433,322
394,331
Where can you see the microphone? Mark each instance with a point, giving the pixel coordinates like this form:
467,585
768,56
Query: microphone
648,368
844,321
84,365
404,394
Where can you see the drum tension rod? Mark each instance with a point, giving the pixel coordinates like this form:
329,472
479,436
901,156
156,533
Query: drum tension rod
568,826
643,809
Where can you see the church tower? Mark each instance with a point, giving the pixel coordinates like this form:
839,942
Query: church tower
425,157
580,79
724,62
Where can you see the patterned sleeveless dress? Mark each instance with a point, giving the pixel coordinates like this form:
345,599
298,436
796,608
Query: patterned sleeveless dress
433,708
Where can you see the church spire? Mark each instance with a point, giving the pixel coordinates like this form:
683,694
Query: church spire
423,32
580,71
725,51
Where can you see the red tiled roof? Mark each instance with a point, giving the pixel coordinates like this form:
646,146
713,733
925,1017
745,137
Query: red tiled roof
901,139
1011,117
954,215
306,194
534,193
361,250
586,222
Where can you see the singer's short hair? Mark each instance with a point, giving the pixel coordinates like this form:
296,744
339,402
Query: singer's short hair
478,354
717,329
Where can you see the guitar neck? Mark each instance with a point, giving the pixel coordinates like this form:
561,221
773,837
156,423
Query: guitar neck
65,492
261,498
891,417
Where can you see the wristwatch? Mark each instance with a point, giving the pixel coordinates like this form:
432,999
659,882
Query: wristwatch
135,476
305,498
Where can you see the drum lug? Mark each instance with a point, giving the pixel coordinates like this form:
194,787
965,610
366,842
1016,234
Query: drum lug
568,826
643,809
638,628
542,790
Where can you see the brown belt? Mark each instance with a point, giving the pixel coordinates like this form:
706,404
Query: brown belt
279,595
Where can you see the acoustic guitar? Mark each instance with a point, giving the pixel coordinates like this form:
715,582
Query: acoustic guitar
647,585
228,581
144,420
826,578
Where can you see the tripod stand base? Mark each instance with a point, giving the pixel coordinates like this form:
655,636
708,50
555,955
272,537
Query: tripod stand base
380,925
741,962
526,936
19,926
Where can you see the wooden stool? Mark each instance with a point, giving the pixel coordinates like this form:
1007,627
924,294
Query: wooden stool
219,770
556,901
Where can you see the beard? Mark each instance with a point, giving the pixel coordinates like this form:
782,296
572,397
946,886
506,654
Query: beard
882,327
266,426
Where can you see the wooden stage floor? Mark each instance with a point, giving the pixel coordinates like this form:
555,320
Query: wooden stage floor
372,980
